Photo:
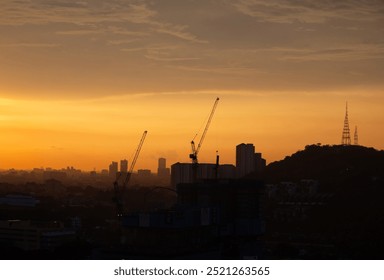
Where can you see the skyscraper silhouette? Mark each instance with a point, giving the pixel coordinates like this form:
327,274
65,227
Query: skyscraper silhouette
113,168
162,170
245,159
124,166
162,163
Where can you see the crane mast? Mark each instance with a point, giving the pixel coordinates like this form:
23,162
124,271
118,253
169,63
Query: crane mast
130,171
195,151
119,191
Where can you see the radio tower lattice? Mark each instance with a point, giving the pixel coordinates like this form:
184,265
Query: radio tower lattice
346,138
355,137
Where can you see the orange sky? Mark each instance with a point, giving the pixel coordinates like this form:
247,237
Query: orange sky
90,134
81,81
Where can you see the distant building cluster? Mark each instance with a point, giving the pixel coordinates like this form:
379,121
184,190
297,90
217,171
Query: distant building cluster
113,169
143,176
248,162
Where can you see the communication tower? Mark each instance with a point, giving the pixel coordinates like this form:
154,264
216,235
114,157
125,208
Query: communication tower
355,137
346,138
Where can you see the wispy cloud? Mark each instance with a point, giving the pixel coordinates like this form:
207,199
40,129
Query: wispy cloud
132,49
167,53
18,12
92,17
79,32
225,70
310,11
158,58
351,52
178,31
29,45
97,46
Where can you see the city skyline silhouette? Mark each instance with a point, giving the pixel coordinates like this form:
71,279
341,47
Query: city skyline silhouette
149,159
302,207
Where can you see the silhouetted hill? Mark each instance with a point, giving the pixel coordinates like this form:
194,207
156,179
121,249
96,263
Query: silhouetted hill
330,165
343,219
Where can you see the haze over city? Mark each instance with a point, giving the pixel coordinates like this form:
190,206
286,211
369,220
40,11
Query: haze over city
81,81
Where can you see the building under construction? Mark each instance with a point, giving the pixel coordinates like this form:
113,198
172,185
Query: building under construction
216,216
212,219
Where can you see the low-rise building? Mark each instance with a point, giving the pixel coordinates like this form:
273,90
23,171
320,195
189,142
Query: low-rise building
34,236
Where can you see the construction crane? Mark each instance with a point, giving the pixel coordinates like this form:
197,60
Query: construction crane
119,190
195,151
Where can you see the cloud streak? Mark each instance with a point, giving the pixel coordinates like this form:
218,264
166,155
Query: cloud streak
350,52
29,45
86,14
119,17
310,11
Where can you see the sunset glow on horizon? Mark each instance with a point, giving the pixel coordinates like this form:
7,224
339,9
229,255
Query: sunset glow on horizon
81,81
89,134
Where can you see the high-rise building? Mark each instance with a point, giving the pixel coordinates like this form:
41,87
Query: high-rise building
113,168
124,166
247,161
162,170
260,163
162,163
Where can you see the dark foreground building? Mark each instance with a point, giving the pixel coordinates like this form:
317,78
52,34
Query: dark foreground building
211,220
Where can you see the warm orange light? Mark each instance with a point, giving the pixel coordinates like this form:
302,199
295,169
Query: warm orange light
90,133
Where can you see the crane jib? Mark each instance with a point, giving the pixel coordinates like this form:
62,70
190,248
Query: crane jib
195,150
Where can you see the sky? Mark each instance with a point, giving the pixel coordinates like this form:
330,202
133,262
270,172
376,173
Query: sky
80,81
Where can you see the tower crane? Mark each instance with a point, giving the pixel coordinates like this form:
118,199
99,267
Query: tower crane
195,151
119,190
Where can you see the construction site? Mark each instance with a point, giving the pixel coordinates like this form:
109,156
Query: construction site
213,216
302,207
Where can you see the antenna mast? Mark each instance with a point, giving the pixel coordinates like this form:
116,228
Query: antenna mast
355,137
346,138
